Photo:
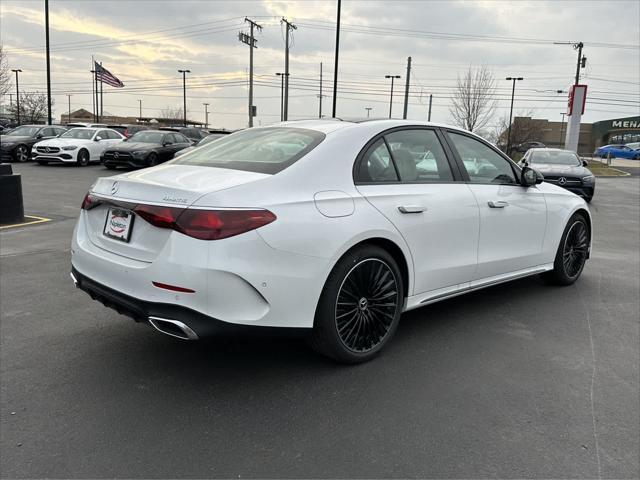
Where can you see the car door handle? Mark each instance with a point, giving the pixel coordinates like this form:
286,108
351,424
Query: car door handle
498,204
411,209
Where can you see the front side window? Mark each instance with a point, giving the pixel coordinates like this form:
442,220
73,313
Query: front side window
482,164
260,150
376,165
419,156
79,133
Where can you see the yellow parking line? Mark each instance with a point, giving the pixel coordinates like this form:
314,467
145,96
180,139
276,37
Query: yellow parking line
31,222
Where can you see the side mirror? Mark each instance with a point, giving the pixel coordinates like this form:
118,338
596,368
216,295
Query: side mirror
166,144
524,162
530,177
584,163
39,135
97,139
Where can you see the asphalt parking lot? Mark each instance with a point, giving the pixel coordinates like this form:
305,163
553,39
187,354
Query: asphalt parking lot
521,380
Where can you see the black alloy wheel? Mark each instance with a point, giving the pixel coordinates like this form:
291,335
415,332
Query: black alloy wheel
366,305
152,159
360,305
576,247
83,158
572,252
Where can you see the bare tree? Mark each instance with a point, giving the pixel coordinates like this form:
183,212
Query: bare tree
33,107
524,128
474,101
172,113
5,77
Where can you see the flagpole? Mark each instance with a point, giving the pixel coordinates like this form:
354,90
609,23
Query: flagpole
93,88
101,104
95,77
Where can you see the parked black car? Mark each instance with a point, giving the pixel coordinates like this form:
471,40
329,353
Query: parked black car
563,168
208,139
16,144
192,133
145,149
129,130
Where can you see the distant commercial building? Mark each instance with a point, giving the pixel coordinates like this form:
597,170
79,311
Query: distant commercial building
592,135
84,116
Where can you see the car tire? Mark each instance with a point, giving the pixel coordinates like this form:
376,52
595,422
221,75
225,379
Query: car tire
43,162
83,158
21,153
359,307
152,159
572,253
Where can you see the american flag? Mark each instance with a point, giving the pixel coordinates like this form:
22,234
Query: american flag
104,75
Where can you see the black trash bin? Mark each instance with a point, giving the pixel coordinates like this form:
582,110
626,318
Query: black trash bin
11,205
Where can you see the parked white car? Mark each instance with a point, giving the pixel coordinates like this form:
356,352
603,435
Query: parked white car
331,226
78,145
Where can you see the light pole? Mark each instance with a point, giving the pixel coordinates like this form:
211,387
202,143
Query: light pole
140,110
206,115
392,77
562,128
368,109
513,91
282,75
17,71
184,93
69,114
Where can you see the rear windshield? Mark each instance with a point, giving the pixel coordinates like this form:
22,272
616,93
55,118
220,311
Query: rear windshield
263,150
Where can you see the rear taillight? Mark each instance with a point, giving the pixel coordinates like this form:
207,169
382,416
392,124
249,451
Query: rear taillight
205,224
89,202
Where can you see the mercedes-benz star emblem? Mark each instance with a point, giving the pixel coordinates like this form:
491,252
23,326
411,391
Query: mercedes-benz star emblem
562,180
114,188
46,149
116,154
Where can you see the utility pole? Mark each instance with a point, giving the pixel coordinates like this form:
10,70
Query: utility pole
513,91
368,109
46,29
286,67
281,75
392,77
184,93
17,71
140,110
406,89
206,115
69,101
582,61
320,95
430,103
251,41
562,128
335,67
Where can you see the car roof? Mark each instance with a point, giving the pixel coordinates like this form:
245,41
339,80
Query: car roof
332,124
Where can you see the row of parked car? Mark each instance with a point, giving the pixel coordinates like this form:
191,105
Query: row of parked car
132,146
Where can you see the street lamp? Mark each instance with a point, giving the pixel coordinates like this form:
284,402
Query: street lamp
392,77
368,109
140,110
513,91
561,128
206,115
282,75
17,95
184,93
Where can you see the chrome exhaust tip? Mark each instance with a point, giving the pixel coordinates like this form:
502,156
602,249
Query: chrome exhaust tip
173,328
75,280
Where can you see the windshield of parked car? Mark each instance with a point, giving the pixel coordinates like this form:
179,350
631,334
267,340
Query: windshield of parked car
23,131
554,157
79,133
147,137
260,150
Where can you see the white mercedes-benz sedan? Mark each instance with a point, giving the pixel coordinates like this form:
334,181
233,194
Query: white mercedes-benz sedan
331,227
78,145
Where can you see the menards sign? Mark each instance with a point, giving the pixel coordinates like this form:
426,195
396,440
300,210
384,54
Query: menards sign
625,124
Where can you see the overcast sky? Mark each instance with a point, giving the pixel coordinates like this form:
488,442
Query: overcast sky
145,42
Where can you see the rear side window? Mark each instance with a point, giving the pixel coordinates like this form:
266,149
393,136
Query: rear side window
260,150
